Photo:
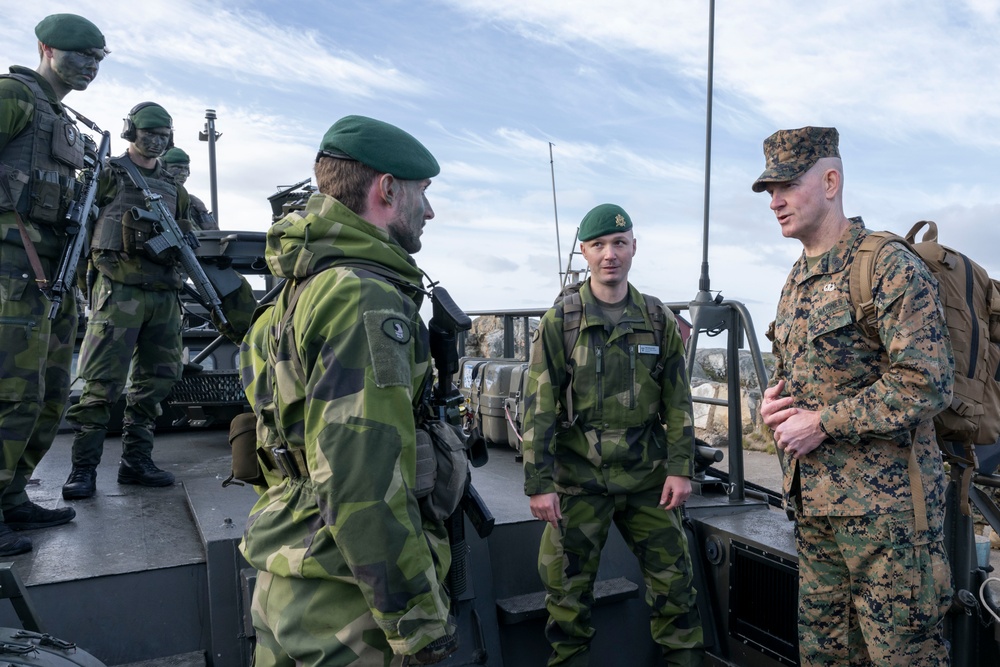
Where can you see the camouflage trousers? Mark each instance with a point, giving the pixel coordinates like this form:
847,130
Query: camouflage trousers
872,591
134,335
569,557
35,358
301,623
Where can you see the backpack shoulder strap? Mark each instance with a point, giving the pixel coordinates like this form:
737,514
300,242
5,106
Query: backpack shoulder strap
861,281
572,308
572,311
659,315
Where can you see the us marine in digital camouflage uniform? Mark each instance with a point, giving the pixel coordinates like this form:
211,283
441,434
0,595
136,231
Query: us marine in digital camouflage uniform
41,150
178,164
351,573
134,331
627,456
874,580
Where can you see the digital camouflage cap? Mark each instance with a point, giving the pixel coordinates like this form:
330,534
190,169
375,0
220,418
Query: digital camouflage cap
604,219
791,153
69,32
383,147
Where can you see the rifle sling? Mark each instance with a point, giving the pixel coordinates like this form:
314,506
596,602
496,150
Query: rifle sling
29,245
130,168
32,253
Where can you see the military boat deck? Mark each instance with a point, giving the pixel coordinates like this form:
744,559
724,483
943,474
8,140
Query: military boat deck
154,575
141,573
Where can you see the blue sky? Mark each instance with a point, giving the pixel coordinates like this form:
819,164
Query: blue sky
618,88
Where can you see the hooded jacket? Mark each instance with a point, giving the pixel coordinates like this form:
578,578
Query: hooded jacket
344,375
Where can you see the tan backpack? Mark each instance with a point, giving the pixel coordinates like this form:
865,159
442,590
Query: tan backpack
971,301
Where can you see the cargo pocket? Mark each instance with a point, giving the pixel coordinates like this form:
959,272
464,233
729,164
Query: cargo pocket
921,587
12,285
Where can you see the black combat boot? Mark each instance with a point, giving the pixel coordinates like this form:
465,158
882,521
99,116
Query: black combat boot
28,516
140,469
81,483
12,544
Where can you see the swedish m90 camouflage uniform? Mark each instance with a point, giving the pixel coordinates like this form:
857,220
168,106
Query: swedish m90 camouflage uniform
135,321
40,151
631,431
350,571
867,573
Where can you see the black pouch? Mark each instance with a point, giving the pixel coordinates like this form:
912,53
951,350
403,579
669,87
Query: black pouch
451,470
47,203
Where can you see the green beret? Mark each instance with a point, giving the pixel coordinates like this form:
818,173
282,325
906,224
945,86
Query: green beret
175,156
151,115
604,219
69,32
790,153
383,147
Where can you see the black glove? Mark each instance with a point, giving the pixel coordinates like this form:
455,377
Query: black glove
435,652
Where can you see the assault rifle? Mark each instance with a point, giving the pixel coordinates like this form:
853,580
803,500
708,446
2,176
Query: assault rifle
81,211
446,321
168,239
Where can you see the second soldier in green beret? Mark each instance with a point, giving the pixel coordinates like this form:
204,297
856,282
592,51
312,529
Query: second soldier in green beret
609,436
41,149
344,360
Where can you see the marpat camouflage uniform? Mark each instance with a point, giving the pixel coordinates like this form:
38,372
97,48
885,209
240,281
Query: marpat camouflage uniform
135,322
350,571
36,352
631,432
867,575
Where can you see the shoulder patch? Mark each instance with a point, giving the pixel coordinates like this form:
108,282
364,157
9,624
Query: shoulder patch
389,340
397,329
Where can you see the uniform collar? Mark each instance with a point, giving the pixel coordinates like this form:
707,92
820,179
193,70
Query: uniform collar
836,258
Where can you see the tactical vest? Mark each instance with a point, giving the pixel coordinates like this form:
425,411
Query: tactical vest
108,231
39,164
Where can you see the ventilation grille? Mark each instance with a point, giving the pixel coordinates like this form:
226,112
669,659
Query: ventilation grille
208,388
764,602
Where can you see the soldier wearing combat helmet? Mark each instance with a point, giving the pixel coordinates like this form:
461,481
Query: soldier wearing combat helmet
853,416
608,436
41,150
340,532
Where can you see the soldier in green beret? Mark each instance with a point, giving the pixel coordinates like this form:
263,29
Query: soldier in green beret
351,570
134,331
41,150
178,164
854,416
609,436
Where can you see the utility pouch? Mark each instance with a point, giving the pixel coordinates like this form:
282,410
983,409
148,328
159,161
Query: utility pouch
47,205
243,440
451,470
136,232
68,144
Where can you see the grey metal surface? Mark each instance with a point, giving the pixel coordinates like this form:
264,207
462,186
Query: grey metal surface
142,574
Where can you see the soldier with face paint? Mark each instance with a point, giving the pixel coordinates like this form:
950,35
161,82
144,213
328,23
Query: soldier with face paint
41,150
135,313
178,164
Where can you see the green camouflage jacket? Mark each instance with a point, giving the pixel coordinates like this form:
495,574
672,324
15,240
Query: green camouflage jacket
362,350
630,430
869,398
